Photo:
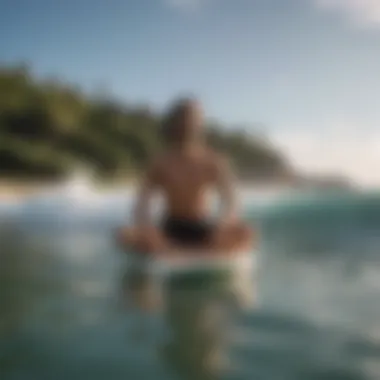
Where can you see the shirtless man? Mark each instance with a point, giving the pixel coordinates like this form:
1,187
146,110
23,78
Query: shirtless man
184,174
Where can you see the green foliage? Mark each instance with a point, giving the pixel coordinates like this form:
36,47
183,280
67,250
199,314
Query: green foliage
48,128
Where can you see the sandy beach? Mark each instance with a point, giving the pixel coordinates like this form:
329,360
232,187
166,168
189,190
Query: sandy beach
13,190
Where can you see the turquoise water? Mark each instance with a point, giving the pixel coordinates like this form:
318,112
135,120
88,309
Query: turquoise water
317,314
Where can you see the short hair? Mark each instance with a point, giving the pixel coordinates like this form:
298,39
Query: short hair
169,123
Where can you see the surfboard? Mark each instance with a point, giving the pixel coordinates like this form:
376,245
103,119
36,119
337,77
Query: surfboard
196,271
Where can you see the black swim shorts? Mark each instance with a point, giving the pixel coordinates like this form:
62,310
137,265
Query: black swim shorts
187,232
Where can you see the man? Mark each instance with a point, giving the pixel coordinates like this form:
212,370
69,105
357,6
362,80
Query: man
184,174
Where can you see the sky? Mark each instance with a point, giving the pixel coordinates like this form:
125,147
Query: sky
304,72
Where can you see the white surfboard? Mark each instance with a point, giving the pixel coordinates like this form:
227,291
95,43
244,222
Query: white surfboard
243,267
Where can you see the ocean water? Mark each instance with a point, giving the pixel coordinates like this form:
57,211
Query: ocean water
316,288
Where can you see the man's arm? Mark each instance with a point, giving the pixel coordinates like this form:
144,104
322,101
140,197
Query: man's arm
145,194
226,187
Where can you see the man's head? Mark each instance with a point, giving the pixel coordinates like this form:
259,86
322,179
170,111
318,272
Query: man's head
183,123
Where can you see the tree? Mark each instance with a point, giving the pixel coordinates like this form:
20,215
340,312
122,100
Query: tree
48,128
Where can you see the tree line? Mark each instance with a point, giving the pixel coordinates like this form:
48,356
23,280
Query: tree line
48,128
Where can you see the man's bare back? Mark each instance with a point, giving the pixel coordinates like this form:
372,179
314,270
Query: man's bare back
185,180
184,175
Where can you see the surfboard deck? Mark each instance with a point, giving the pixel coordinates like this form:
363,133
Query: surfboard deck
196,271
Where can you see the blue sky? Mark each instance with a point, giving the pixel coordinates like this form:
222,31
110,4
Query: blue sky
308,70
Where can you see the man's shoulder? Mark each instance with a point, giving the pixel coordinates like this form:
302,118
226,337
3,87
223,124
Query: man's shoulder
158,162
216,158
216,163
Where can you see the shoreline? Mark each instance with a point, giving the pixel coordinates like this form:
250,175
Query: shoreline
15,190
